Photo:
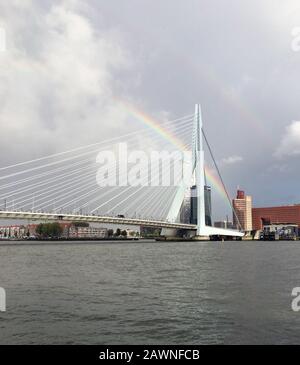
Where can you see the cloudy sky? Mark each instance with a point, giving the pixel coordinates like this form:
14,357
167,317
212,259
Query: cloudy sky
68,64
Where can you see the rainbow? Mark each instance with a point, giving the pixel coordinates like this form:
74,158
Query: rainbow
152,124
216,183
167,135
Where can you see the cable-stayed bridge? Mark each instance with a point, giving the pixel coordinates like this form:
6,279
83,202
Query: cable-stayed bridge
67,186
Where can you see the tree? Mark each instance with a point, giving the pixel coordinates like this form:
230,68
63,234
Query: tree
124,233
40,229
110,232
118,232
55,229
49,230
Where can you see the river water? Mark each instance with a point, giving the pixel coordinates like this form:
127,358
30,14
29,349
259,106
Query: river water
150,293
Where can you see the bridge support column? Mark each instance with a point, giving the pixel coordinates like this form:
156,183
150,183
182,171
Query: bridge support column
199,171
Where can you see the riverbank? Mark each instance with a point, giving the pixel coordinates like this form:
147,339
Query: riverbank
68,239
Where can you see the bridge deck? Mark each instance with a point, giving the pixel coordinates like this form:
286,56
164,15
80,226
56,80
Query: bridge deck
208,231
94,219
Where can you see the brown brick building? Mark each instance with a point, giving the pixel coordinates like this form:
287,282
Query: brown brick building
283,214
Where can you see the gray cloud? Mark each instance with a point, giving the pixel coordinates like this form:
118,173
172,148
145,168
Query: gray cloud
290,143
232,160
57,79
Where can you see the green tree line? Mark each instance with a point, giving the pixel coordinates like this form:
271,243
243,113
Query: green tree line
47,230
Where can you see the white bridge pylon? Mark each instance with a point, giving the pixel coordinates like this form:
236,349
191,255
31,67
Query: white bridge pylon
198,170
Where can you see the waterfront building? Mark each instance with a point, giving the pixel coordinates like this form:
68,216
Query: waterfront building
13,231
224,224
288,214
31,230
87,232
69,230
220,224
132,232
242,214
279,231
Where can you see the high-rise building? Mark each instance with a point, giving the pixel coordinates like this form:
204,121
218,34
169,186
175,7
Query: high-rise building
207,203
185,211
242,215
194,204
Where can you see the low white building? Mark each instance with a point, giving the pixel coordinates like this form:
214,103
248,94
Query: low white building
14,231
87,232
